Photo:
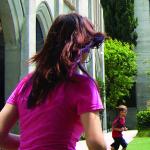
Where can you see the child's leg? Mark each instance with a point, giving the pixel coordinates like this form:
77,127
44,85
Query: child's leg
112,145
112,148
123,143
115,145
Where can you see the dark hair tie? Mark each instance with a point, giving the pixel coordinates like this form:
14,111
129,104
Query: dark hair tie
95,42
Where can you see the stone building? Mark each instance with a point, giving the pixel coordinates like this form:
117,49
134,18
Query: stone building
23,28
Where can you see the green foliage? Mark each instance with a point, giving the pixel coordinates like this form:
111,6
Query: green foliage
120,70
143,133
119,20
101,87
143,119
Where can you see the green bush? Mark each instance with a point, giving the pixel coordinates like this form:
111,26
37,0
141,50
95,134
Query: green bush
143,133
143,119
120,70
101,87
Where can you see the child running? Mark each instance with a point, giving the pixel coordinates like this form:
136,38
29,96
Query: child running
118,126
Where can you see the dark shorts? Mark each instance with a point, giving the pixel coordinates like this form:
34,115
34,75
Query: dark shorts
119,141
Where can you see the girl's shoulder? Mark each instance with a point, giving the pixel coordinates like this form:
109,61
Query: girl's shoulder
82,78
24,82
84,83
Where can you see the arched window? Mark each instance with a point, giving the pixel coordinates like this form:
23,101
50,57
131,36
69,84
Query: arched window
39,36
2,71
43,23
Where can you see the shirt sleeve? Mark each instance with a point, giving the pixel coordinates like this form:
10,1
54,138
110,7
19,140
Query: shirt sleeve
89,99
13,98
116,123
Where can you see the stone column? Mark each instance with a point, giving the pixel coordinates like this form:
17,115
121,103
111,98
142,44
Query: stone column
28,36
142,12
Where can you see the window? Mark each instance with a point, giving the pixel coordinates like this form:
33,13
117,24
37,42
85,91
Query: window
39,36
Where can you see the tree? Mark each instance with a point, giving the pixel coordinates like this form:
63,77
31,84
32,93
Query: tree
119,20
120,70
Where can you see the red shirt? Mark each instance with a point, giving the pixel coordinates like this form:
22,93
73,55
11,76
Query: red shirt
118,123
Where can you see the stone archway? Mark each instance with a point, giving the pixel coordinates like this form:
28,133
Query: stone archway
43,22
12,51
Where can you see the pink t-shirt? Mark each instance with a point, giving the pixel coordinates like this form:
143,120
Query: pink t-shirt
55,124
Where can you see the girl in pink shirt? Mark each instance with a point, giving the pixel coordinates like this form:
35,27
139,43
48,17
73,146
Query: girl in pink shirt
55,104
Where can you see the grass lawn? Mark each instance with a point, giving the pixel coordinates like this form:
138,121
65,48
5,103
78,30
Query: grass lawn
139,143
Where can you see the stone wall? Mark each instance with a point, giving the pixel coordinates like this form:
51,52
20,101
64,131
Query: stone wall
142,12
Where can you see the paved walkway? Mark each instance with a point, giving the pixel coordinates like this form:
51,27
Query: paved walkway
128,136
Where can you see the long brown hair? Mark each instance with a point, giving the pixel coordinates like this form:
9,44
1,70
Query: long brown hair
60,56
